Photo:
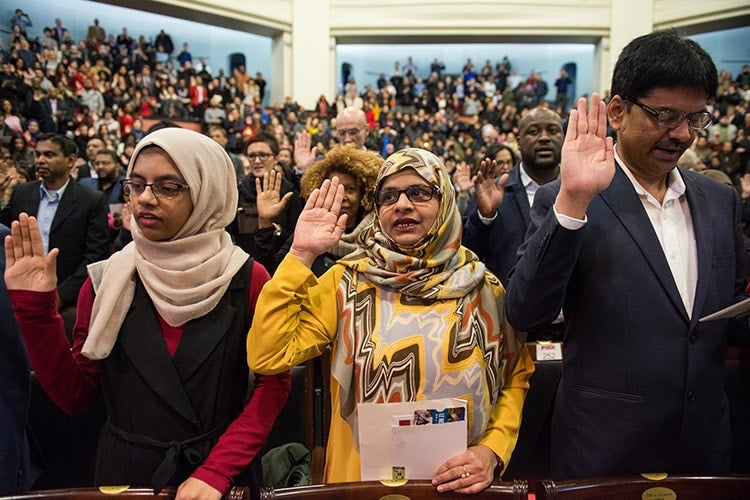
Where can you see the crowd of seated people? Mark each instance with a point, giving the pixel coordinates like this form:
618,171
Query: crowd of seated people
104,87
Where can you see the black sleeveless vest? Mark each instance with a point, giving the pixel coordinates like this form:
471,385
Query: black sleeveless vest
166,413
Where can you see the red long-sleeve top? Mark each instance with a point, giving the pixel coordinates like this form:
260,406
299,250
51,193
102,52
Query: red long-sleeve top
72,380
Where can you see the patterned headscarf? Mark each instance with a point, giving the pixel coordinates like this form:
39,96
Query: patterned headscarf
433,298
437,267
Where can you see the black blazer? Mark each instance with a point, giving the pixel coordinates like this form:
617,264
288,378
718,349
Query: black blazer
497,244
79,230
642,386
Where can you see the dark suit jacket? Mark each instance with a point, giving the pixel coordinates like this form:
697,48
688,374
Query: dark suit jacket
79,230
15,374
642,385
115,193
497,244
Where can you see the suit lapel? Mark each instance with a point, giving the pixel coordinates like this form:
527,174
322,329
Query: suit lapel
29,201
703,231
67,204
517,190
146,350
624,202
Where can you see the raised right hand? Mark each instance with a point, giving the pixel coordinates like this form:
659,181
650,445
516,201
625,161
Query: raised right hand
304,155
489,194
269,200
26,267
588,158
319,226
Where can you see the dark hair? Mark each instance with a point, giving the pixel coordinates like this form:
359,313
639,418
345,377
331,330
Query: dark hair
66,144
109,153
663,59
218,128
164,123
495,148
263,137
12,142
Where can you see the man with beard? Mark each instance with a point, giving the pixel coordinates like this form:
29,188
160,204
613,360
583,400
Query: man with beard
109,174
636,250
497,216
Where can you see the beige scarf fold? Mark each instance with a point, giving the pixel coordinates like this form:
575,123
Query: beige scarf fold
185,277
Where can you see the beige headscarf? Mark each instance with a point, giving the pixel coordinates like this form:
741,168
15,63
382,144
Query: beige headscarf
186,276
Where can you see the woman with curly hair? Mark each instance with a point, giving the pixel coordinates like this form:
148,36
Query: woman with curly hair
357,170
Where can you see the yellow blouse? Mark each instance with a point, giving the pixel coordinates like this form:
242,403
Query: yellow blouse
296,319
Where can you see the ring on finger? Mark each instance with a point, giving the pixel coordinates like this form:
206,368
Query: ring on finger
465,473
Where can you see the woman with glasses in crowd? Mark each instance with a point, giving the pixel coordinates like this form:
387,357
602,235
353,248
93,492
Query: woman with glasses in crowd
411,315
161,328
265,217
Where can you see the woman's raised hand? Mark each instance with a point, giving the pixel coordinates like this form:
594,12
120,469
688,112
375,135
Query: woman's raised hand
319,226
268,198
304,154
26,267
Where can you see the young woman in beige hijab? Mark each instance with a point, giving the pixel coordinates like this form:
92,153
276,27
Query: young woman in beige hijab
161,328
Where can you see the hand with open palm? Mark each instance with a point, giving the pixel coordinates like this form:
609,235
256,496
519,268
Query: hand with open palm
26,266
304,154
319,226
268,198
489,195
588,158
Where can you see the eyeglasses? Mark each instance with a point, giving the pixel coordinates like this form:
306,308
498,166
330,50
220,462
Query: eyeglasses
504,162
262,156
351,132
415,194
671,118
161,189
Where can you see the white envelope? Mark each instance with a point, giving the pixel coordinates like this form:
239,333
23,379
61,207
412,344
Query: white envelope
420,449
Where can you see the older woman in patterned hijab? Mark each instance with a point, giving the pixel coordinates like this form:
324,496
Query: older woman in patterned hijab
411,315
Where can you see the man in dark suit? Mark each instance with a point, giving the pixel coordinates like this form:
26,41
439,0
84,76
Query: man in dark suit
636,251
497,216
14,396
72,218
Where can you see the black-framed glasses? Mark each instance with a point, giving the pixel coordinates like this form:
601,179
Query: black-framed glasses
161,189
262,156
415,194
671,118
